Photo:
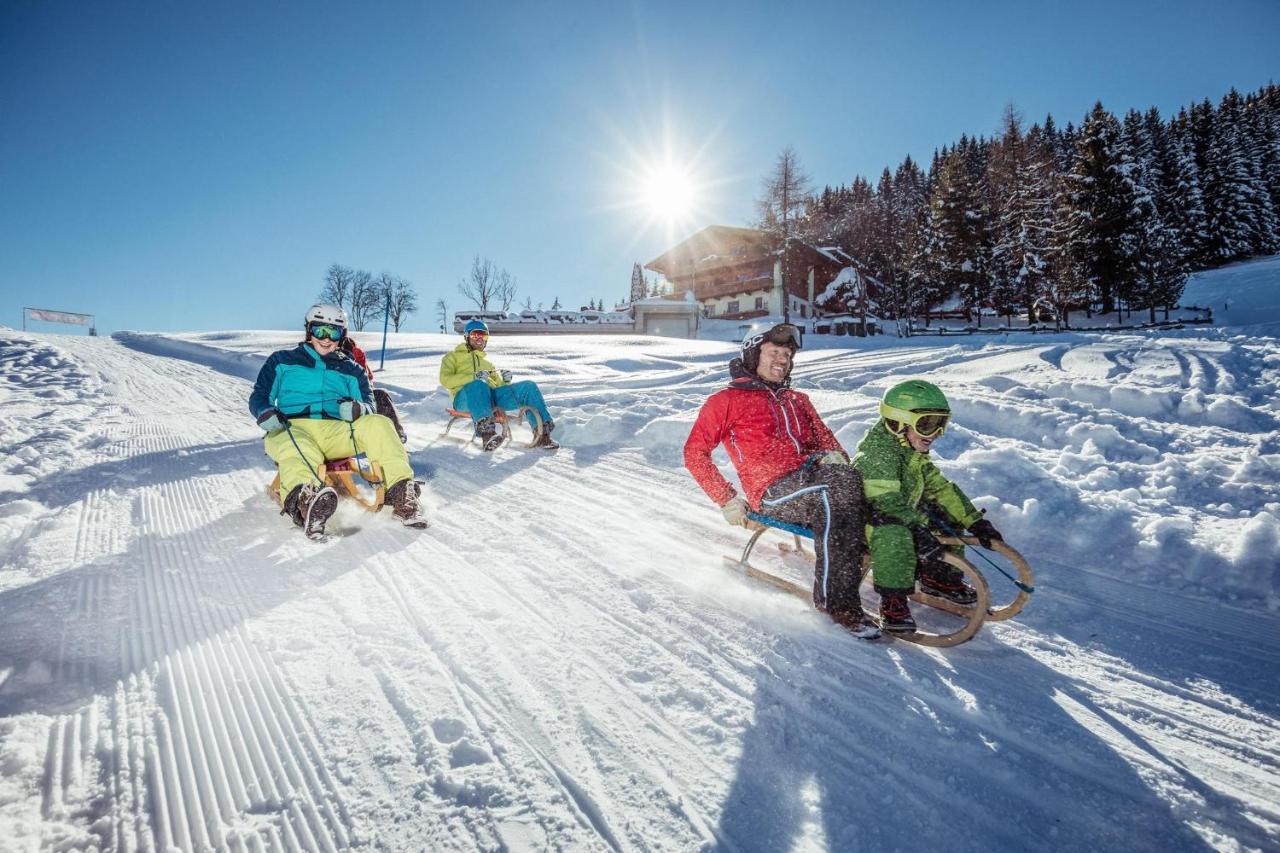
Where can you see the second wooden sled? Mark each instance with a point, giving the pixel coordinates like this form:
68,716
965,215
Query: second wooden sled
974,615
341,475
502,420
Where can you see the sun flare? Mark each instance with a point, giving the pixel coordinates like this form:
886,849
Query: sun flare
668,193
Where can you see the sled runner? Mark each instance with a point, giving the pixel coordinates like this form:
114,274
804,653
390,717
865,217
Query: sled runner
341,475
973,615
503,421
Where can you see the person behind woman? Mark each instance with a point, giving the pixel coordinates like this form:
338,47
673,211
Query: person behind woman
381,399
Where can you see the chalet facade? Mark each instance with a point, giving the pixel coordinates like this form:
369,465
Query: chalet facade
735,274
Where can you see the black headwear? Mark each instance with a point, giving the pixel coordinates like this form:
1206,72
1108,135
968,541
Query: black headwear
783,334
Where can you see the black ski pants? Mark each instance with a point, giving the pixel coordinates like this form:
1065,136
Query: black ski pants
828,500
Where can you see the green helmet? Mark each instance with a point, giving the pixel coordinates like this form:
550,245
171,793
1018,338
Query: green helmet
917,404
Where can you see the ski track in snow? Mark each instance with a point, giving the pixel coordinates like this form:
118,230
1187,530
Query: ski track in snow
560,662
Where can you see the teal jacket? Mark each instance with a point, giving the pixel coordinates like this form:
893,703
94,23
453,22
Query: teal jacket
895,478
303,384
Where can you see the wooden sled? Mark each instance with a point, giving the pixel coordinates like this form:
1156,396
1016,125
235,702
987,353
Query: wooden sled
503,420
973,615
341,474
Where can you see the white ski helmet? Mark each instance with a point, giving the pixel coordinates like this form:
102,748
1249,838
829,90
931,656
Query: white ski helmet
326,313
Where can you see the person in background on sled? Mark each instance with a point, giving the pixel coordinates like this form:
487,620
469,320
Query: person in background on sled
899,479
478,387
381,399
314,404
790,465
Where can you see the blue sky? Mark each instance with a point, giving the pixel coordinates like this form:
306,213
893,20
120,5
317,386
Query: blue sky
175,166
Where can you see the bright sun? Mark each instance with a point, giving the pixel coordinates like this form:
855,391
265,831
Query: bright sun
668,193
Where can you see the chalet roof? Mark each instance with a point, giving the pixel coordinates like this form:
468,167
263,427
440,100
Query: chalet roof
727,242
710,243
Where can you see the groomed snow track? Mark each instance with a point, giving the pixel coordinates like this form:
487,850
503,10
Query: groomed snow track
559,662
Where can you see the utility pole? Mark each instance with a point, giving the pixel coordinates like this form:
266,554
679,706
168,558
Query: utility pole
386,320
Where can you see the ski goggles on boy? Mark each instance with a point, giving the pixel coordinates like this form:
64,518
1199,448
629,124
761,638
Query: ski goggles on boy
926,424
326,331
783,334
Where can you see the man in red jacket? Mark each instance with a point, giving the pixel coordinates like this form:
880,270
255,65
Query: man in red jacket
790,465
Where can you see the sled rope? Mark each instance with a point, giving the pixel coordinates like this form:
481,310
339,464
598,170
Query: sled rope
301,455
950,531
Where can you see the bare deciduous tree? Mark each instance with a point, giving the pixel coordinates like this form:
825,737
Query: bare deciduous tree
366,299
506,289
403,299
442,314
337,285
488,286
786,190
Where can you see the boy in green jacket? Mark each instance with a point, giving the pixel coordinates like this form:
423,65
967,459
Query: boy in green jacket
897,475
478,387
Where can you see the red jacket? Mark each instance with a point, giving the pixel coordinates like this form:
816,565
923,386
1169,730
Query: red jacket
767,431
357,355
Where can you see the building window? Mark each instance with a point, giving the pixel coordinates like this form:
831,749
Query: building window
732,307
759,302
709,310
802,314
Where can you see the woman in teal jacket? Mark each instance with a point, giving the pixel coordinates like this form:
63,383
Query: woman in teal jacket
314,404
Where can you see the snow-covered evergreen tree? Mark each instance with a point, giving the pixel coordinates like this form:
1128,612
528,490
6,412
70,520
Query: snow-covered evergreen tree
637,284
1178,194
1100,203
1233,199
955,232
1020,176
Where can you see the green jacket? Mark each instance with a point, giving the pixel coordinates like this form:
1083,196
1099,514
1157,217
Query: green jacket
460,366
895,478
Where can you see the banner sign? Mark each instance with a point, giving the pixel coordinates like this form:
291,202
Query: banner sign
59,317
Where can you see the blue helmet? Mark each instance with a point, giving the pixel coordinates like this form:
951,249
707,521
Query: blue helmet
474,326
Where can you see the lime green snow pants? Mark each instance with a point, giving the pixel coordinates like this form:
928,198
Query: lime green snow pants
893,555
320,440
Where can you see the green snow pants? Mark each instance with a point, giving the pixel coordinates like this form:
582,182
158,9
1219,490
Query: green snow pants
893,555
318,441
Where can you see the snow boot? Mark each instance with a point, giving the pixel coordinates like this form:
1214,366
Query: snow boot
944,581
855,622
545,441
895,613
487,432
403,498
310,506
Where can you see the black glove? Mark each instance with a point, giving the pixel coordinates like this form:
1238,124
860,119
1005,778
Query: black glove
349,409
271,420
928,548
985,531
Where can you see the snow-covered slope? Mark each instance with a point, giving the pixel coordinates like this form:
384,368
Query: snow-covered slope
1244,295
562,662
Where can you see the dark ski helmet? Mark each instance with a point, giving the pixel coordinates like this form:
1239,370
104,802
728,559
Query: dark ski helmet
917,404
783,334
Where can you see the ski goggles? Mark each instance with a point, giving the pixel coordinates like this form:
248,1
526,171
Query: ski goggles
783,334
471,336
326,331
926,424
